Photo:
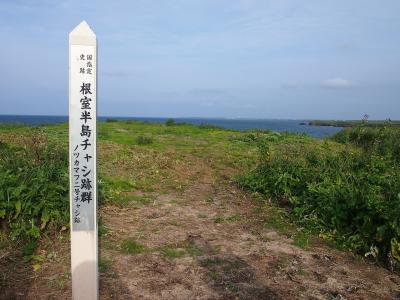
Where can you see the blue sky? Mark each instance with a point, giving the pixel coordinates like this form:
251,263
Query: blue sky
210,58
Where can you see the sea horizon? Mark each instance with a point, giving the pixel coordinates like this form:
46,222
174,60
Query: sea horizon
202,117
298,126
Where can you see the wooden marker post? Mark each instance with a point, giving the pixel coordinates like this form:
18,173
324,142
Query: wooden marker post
82,160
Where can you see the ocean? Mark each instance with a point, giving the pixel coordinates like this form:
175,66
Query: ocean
237,124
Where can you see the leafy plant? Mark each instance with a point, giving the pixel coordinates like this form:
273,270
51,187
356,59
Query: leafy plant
170,122
132,247
144,140
111,120
171,252
33,185
348,193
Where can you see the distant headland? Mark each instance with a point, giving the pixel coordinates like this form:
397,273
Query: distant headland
353,123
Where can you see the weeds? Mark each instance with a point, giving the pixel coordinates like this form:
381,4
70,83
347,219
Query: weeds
144,140
170,122
113,189
33,186
131,247
104,264
219,220
111,120
193,250
348,193
171,252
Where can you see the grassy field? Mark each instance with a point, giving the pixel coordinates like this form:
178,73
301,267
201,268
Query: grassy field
132,155
203,197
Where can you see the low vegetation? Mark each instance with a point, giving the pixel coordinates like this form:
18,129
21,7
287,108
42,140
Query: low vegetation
132,247
34,196
170,122
354,123
144,140
346,189
33,185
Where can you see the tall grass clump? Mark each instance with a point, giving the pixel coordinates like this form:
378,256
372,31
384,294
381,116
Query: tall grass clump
144,140
33,186
111,120
384,141
349,192
170,122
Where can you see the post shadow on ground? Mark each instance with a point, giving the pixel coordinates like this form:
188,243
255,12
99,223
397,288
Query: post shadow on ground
110,284
229,275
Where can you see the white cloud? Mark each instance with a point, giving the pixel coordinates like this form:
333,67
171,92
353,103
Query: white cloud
337,83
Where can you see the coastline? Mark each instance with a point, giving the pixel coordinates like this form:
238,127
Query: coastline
277,125
353,123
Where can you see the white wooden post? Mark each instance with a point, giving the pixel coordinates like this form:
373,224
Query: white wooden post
82,158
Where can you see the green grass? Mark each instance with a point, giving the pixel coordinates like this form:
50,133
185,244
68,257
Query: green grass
219,220
171,252
193,250
59,280
136,160
124,200
346,188
276,218
102,229
120,191
132,247
144,140
104,264
222,219
234,218
301,239
348,192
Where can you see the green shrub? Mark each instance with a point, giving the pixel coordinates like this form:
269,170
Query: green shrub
111,120
144,140
33,186
248,138
209,126
170,122
349,193
260,136
384,141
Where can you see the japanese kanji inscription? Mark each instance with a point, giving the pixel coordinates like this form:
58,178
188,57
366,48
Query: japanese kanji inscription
82,156
82,128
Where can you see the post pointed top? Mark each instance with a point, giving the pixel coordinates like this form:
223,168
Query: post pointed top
82,35
83,29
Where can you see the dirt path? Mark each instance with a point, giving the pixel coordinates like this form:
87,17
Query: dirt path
206,242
